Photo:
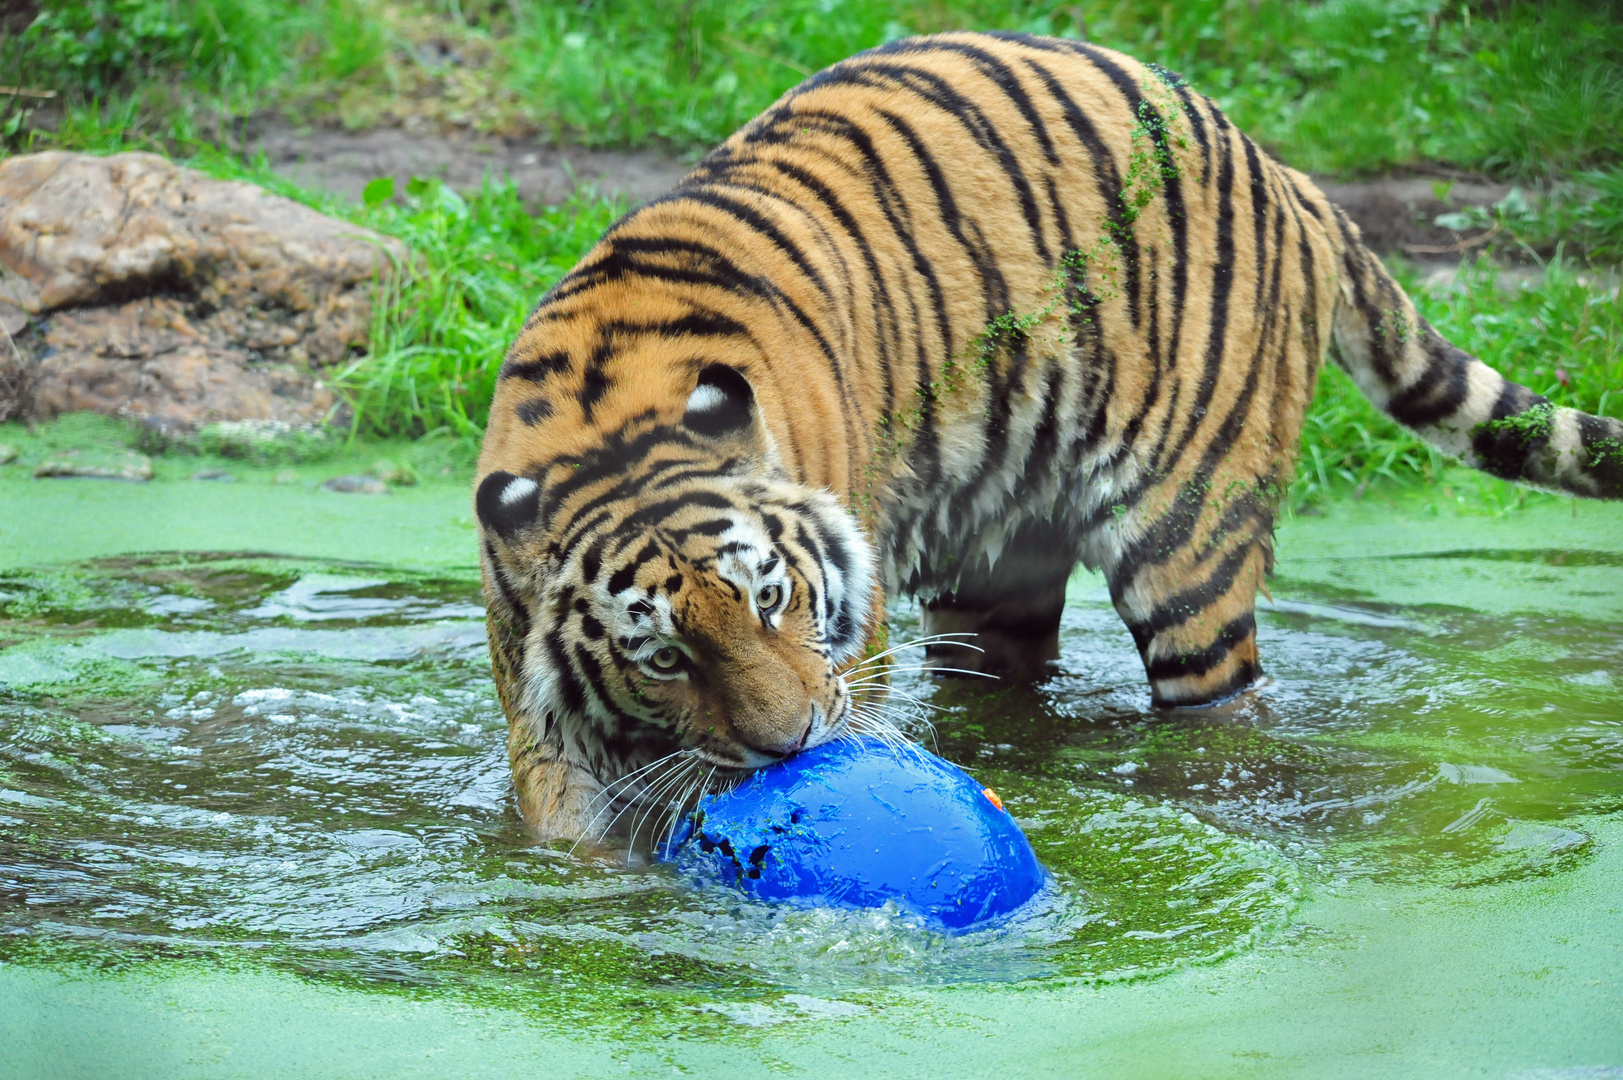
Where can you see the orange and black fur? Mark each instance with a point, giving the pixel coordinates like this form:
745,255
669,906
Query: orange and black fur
950,317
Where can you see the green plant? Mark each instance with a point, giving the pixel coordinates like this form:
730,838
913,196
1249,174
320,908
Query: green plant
479,264
1588,212
1524,89
99,47
262,442
1552,80
1346,85
1599,220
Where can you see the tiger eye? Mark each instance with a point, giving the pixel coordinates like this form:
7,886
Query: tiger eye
665,659
769,596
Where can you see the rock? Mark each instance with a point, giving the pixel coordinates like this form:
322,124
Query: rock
264,440
146,360
8,453
213,474
97,465
393,473
13,319
169,296
357,485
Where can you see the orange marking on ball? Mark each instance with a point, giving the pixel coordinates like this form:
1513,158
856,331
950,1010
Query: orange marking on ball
992,797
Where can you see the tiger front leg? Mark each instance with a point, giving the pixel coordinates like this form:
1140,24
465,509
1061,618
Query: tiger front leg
1003,619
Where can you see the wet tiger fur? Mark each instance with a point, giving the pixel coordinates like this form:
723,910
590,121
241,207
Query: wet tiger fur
948,318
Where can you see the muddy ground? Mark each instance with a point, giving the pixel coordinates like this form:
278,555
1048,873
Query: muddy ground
344,162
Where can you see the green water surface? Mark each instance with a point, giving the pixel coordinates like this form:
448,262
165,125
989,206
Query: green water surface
255,821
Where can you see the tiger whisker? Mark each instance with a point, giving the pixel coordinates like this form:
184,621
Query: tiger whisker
658,796
874,723
629,777
689,798
882,668
612,796
911,699
895,717
888,706
875,730
880,720
616,788
693,796
672,799
919,643
884,733
921,667
904,724
654,805
648,793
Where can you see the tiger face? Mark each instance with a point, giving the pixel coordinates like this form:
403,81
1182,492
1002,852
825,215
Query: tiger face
673,591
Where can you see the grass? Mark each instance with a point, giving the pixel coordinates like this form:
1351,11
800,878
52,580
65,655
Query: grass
439,337
1516,88
1560,334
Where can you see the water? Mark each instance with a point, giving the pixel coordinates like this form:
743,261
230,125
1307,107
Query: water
273,768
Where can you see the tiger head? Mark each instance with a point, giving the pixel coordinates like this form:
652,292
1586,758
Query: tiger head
668,587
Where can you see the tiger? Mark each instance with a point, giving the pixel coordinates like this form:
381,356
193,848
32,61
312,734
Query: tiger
947,319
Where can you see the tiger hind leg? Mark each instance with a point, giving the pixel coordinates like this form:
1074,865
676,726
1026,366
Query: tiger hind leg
1191,610
1005,615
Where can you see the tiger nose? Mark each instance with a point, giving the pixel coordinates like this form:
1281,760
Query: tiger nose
791,746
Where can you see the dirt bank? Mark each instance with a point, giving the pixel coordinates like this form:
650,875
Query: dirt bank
344,162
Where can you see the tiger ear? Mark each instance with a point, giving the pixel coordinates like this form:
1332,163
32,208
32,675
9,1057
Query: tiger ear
722,405
507,504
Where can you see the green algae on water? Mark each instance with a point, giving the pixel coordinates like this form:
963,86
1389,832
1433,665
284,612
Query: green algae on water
296,766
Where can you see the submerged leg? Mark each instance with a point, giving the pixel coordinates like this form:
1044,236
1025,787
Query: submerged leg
1191,611
1009,611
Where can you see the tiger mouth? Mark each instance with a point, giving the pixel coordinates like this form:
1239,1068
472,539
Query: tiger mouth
815,734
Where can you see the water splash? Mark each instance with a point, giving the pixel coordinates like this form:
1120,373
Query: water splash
252,760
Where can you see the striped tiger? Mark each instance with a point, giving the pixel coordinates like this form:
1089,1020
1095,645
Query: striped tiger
947,319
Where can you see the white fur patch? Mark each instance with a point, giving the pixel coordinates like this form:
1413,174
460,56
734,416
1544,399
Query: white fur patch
517,490
842,589
654,621
1483,388
706,397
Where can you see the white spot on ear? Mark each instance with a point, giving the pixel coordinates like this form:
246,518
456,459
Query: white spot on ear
706,397
521,488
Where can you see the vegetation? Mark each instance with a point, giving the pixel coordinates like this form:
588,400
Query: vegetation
439,337
1521,90
1513,87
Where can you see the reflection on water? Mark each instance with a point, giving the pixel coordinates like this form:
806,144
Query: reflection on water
247,760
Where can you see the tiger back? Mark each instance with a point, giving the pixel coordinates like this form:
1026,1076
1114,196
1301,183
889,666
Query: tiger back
947,319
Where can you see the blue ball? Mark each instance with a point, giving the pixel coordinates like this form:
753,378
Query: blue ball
856,823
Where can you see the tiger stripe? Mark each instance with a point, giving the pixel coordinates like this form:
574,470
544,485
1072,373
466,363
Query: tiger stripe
946,319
